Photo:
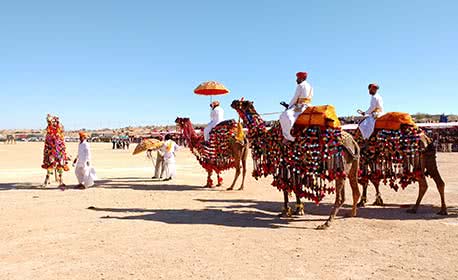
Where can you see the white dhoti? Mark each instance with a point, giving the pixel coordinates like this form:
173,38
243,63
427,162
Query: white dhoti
208,129
367,127
169,168
85,175
288,118
158,167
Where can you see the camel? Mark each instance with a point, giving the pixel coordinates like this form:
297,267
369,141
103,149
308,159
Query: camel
223,151
10,139
271,151
55,159
427,166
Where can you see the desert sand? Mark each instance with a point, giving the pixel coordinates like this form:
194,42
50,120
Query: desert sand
131,227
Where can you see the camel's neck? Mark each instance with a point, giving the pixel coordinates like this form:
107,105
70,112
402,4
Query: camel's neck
192,138
255,124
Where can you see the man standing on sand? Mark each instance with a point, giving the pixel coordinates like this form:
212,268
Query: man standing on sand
168,151
158,167
83,171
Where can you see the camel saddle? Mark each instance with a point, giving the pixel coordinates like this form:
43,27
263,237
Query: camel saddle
323,116
394,121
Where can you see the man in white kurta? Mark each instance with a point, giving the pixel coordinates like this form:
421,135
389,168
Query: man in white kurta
168,152
297,105
216,116
83,171
375,110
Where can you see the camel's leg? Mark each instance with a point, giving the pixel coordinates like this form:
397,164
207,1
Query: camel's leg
236,176
353,179
337,204
286,212
47,181
431,167
60,178
423,186
209,180
363,200
299,207
378,196
244,156
219,179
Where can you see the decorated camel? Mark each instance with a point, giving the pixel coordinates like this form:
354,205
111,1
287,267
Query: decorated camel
55,159
227,148
320,155
398,153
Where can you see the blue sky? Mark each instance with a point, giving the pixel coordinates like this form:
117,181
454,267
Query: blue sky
118,63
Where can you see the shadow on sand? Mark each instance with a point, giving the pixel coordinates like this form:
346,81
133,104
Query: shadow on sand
145,184
387,212
263,214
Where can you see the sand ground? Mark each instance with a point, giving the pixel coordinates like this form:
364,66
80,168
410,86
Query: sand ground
144,229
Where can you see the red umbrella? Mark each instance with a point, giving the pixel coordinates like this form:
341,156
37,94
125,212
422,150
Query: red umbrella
211,88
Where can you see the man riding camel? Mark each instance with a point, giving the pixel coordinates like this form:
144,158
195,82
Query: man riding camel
375,110
301,100
216,116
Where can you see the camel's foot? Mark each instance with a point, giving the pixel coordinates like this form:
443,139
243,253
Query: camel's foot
378,201
324,226
443,212
241,188
354,212
299,210
286,213
230,188
362,202
412,211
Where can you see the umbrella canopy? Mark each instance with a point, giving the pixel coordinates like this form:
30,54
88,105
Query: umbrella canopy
148,144
211,88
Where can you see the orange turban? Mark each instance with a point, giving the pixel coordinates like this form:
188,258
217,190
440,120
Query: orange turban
301,75
215,103
82,134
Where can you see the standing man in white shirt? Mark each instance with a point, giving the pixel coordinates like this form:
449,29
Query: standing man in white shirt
168,152
301,100
83,171
216,116
375,110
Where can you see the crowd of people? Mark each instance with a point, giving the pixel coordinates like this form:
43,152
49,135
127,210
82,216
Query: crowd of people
122,142
445,140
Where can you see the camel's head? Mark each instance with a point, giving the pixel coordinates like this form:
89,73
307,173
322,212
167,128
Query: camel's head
243,106
245,109
181,121
53,121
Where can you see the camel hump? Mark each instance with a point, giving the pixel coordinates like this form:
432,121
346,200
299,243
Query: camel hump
324,116
394,121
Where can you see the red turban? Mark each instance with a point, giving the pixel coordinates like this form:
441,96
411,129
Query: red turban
372,85
301,75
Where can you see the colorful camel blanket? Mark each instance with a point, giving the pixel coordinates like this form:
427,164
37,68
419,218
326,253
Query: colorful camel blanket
217,154
391,155
306,166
